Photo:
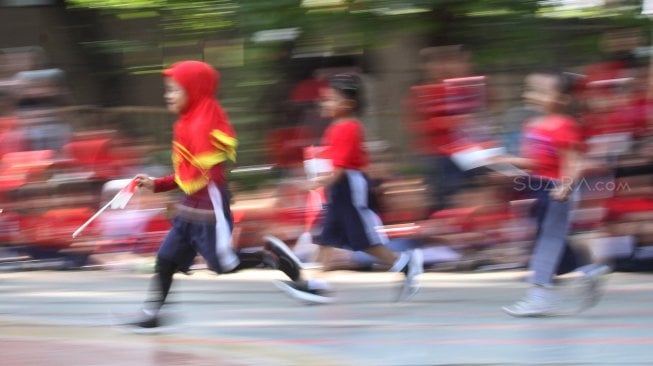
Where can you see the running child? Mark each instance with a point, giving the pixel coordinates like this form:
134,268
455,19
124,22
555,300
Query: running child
349,222
203,142
551,151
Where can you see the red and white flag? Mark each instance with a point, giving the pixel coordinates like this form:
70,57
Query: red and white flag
124,195
119,201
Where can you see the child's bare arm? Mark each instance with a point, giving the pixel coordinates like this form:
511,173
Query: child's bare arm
516,161
570,168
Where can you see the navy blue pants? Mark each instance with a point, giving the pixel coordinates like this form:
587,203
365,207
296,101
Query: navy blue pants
212,240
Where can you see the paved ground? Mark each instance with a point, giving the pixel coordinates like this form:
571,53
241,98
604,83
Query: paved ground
67,318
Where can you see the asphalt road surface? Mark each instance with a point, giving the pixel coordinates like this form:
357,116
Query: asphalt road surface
70,318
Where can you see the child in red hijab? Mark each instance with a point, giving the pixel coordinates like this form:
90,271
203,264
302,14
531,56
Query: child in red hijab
203,142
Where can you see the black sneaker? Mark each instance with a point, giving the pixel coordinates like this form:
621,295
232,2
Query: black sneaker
288,261
148,325
269,259
301,291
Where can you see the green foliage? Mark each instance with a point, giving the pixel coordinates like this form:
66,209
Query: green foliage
253,180
116,4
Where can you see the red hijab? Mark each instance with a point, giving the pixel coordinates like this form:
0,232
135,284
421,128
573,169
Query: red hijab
203,136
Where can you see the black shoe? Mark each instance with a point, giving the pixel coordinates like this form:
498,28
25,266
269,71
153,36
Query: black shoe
288,261
260,259
269,259
301,291
148,325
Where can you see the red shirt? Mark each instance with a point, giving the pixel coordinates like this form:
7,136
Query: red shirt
438,112
343,142
618,207
429,122
543,142
631,119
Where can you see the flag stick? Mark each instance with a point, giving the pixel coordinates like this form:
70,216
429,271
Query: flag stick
114,199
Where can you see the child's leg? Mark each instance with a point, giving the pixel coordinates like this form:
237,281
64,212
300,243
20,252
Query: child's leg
175,254
551,243
159,285
382,253
569,261
332,259
543,299
324,254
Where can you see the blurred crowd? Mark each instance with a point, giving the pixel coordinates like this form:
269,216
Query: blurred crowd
54,173
443,195
612,201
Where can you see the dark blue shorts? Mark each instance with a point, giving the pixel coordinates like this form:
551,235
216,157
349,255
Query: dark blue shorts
349,222
210,239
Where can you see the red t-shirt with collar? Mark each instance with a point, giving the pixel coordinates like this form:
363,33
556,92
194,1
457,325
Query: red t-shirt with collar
545,140
343,142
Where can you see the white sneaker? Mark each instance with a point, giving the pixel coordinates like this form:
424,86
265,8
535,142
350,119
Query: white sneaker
591,289
413,268
538,302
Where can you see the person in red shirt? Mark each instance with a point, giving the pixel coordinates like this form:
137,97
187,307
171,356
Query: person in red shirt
349,222
551,148
203,142
615,95
440,114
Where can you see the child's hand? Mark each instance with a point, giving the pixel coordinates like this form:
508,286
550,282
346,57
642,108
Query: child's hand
143,181
561,192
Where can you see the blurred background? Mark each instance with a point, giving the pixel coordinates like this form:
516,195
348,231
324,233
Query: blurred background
82,111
